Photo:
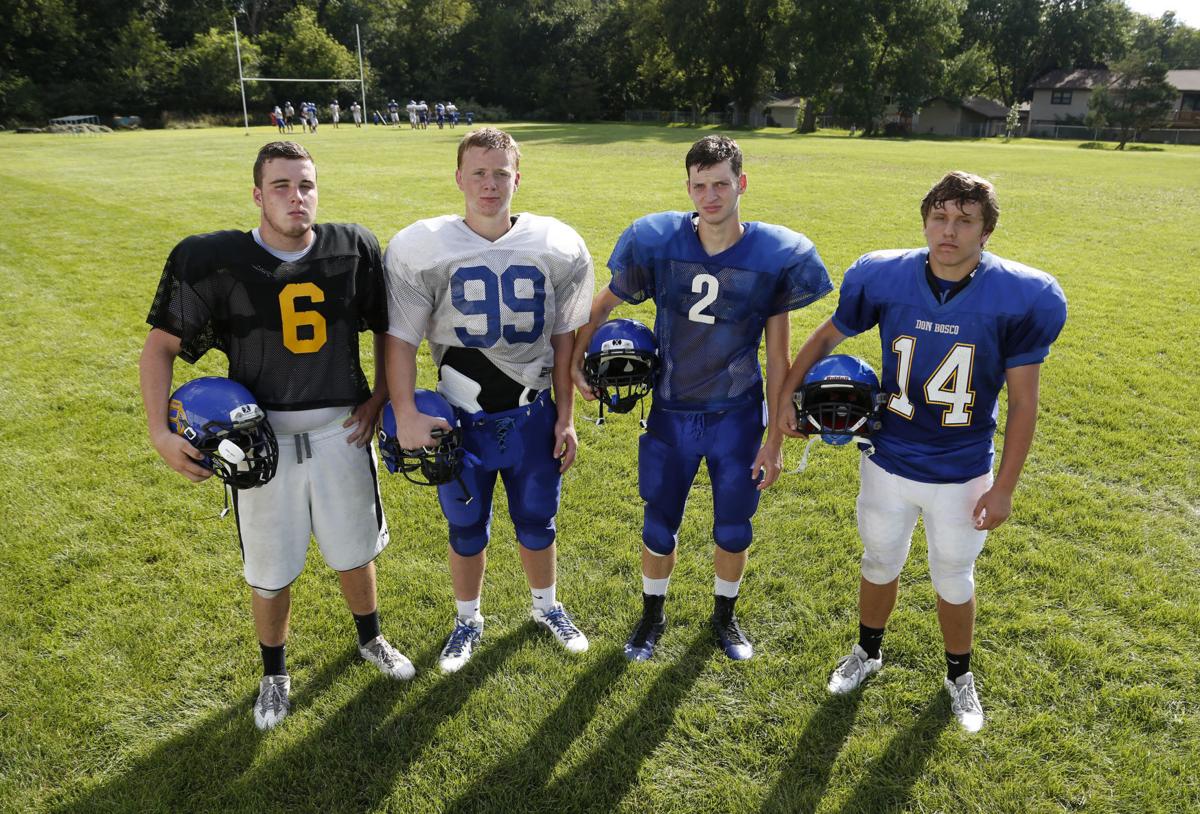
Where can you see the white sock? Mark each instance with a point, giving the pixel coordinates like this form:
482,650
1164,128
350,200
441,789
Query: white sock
723,587
467,609
655,587
543,598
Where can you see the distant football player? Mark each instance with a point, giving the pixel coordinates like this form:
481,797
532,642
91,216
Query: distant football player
411,108
957,324
356,113
288,113
452,114
717,284
498,296
394,111
335,113
423,114
286,302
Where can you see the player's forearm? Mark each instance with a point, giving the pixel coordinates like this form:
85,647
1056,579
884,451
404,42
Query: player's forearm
1019,426
819,344
401,365
603,305
564,394
155,367
380,388
778,350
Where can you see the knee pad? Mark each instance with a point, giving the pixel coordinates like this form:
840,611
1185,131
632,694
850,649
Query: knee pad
658,538
268,594
882,564
535,536
467,541
733,537
953,582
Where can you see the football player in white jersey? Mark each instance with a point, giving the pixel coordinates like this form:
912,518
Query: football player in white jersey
498,296
286,302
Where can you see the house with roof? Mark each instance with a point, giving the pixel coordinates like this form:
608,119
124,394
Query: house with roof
972,117
1062,96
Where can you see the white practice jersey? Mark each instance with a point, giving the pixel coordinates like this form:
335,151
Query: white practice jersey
505,298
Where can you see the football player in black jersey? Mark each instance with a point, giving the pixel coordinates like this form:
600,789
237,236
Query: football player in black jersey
286,302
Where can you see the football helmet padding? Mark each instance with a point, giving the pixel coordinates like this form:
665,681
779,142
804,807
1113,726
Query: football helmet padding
840,399
220,418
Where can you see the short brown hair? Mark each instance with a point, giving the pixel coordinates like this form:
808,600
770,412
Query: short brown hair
490,138
712,150
278,149
963,188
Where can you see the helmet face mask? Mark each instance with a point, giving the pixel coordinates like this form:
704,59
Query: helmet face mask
840,400
220,418
621,364
427,466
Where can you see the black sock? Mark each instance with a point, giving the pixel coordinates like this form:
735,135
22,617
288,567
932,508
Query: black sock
870,639
274,659
652,606
368,626
957,664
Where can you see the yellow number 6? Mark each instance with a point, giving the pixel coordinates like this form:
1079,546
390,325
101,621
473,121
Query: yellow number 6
293,319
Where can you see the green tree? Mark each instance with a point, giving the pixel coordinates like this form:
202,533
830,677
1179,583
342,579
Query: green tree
140,69
1139,99
207,78
299,47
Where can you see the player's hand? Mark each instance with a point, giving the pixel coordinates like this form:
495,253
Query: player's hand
181,456
768,461
414,430
566,444
787,423
581,384
364,419
993,508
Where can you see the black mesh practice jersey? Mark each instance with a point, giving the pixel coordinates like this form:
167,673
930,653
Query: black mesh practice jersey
290,329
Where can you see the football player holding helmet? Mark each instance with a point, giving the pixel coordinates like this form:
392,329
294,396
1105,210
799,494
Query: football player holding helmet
427,466
620,365
220,418
840,399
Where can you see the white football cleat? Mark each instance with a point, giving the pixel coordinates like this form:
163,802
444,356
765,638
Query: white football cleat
390,661
461,644
852,671
272,705
558,622
964,702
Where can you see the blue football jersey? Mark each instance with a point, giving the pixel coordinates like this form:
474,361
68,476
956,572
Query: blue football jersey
944,363
711,311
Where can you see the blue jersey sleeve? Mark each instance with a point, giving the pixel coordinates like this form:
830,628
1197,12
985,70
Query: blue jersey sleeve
632,277
1028,338
856,312
804,281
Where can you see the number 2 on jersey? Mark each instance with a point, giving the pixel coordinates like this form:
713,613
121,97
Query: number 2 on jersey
293,320
711,286
949,385
489,304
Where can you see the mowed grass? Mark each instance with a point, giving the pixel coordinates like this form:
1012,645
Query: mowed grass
127,656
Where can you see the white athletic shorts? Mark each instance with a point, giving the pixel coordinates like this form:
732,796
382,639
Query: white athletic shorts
323,488
888,508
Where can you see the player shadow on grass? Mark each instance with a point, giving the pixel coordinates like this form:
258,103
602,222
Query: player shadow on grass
211,755
514,782
352,761
603,780
803,779
887,786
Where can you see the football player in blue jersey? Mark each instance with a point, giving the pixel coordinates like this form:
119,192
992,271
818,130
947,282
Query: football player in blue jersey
718,284
957,324
498,296
286,302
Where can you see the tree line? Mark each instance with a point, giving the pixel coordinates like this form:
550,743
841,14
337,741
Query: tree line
562,59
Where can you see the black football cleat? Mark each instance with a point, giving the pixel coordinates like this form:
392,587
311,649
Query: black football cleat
644,638
730,635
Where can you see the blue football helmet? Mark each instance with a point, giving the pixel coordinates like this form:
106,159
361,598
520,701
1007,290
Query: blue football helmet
839,398
219,417
428,466
621,364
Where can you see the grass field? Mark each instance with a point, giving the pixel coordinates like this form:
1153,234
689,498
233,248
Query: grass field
127,657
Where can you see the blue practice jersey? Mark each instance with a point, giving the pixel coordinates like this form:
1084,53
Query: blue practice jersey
711,311
944,363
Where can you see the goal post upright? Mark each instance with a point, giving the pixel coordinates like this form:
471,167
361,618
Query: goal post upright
362,79
237,45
